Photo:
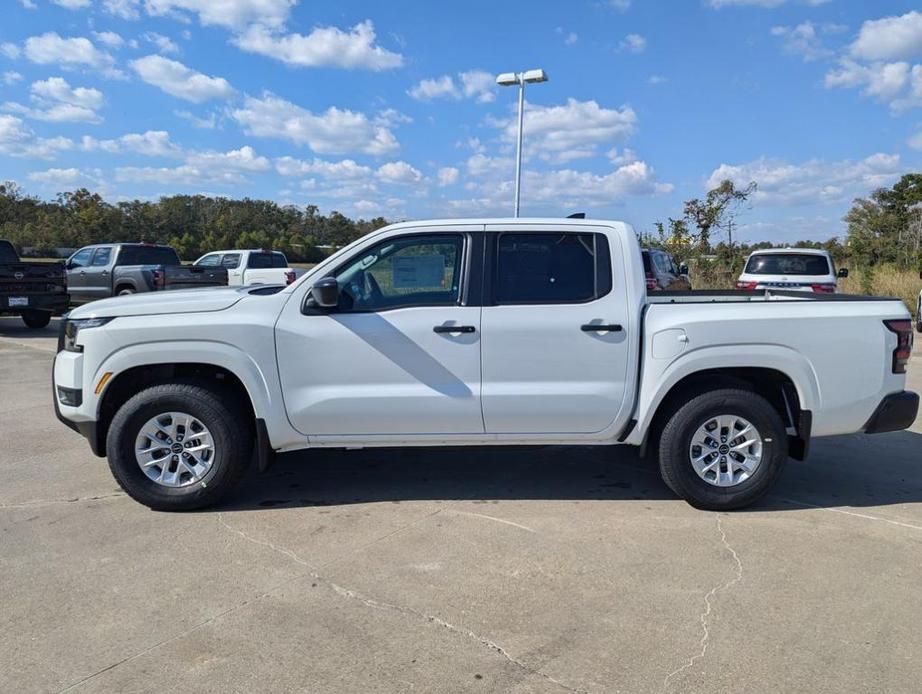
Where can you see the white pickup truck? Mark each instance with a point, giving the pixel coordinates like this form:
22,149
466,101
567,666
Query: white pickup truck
478,332
247,267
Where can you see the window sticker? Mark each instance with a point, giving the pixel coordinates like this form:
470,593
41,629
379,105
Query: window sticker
414,271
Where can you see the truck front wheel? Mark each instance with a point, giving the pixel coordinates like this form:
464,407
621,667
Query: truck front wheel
178,447
723,450
36,319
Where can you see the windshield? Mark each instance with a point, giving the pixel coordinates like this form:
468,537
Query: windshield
8,253
788,264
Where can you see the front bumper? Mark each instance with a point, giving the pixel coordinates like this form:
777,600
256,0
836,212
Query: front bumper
895,412
68,375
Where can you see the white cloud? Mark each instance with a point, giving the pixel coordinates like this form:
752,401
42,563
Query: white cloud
209,122
890,38
915,141
56,101
10,50
18,140
633,43
61,179
323,47
52,49
109,38
11,77
435,88
571,131
153,143
233,14
28,4
812,182
344,170
897,84
180,81
398,172
804,40
620,5
472,84
125,9
163,43
717,4
448,176
657,79
243,159
72,4
335,131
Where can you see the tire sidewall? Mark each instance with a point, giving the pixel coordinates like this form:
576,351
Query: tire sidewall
677,441
204,406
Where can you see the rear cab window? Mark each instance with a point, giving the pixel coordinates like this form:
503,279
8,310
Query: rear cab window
264,261
788,264
551,268
147,255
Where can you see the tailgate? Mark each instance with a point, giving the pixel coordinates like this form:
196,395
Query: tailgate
193,276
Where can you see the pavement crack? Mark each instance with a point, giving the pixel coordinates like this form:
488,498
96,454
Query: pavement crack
704,617
408,611
52,502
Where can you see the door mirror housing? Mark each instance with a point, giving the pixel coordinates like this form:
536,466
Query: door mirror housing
843,272
683,269
325,293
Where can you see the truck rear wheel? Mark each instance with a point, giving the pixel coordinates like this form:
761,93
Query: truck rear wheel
178,447
124,291
36,319
723,450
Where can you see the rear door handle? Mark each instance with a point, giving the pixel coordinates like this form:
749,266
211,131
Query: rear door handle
601,328
454,329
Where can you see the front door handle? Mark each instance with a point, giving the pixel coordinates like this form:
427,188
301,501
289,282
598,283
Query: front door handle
601,328
454,329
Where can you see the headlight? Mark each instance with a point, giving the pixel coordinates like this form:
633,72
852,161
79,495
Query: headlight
72,329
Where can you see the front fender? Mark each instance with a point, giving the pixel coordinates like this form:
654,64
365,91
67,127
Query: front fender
661,376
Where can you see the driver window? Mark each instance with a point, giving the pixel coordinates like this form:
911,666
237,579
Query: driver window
404,271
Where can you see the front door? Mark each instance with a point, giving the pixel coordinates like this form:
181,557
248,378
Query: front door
99,274
399,356
555,331
76,276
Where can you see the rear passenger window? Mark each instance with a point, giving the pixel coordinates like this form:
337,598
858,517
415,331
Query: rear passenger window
551,268
101,258
230,261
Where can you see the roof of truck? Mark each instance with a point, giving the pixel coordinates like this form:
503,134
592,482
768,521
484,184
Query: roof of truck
805,251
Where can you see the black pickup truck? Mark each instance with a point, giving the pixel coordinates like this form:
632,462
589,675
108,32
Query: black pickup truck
115,269
34,291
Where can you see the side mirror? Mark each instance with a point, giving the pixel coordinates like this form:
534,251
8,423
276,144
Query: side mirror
325,293
683,269
843,272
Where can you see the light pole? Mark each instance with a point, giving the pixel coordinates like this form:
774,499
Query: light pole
508,79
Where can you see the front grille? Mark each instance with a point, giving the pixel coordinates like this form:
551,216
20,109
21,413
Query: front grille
30,288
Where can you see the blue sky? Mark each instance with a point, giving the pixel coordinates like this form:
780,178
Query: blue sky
390,109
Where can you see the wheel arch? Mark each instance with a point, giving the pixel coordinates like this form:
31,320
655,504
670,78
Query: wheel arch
789,384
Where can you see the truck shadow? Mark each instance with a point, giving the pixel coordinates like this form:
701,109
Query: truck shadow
855,471
13,327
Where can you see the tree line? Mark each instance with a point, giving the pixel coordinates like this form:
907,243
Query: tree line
192,224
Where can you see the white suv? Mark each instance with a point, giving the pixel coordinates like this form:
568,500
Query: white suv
801,269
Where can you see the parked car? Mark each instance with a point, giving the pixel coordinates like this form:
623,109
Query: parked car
116,269
32,291
662,273
919,310
478,332
250,267
800,269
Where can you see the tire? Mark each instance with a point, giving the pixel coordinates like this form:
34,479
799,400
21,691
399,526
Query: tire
680,432
232,446
125,291
36,320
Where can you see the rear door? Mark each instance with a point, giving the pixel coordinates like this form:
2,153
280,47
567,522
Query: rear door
555,348
231,262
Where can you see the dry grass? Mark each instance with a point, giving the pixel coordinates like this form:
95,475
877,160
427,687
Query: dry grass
885,281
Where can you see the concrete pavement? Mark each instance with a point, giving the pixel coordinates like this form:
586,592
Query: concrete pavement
495,570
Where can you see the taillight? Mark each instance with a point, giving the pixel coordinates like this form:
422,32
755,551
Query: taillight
651,281
290,276
903,330
747,286
159,280
823,288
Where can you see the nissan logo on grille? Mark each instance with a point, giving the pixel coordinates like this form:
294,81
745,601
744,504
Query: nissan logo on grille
18,275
